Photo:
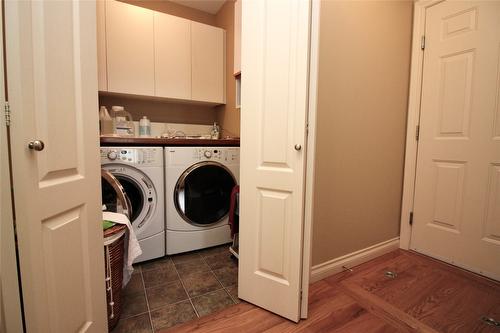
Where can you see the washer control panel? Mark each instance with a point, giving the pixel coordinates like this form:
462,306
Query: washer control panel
217,154
131,155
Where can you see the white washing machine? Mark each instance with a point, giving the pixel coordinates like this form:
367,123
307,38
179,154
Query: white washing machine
140,171
198,185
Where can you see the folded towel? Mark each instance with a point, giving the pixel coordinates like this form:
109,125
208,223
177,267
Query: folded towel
132,247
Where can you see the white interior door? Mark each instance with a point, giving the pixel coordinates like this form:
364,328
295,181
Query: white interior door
52,85
275,47
457,192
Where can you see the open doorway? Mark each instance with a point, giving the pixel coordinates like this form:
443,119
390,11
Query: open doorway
274,260
56,170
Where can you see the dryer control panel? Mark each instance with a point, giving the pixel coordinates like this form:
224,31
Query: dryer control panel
185,156
227,155
144,156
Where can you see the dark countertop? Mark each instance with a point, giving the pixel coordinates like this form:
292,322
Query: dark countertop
123,141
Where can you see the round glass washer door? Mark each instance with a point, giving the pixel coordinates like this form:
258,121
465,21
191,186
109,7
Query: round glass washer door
203,192
140,191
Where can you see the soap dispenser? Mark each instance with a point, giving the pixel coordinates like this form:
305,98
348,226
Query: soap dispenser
215,133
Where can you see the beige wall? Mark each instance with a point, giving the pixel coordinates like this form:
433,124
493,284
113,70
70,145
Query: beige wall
227,115
173,8
161,110
362,104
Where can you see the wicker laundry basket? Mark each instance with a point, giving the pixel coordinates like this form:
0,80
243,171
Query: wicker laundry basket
114,249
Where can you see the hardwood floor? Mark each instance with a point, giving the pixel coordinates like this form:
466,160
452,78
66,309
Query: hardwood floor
424,295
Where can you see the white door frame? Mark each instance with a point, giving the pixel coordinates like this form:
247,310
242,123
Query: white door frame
417,61
10,299
310,154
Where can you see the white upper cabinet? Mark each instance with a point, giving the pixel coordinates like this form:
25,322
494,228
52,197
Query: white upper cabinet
208,59
237,37
102,80
172,56
143,52
130,49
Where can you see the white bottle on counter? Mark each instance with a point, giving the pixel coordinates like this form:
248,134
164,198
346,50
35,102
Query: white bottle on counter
144,127
105,121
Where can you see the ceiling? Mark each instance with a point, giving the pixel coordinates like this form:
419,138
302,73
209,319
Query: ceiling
208,6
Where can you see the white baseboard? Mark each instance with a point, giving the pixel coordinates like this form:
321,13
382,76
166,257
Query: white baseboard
334,266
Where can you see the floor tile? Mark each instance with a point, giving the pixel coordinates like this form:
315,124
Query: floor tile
137,324
173,314
134,286
185,257
133,305
212,302
221,260
200,283
214,250
164,262
233,291
160,276
228,276
166,294
192,266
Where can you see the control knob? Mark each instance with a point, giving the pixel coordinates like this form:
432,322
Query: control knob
207,153
112,155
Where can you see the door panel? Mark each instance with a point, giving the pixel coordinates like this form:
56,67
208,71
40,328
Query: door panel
456,215
275,46
492,221
52,85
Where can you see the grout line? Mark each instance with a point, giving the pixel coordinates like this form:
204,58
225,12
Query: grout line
218,280
185,290
133,316
147,302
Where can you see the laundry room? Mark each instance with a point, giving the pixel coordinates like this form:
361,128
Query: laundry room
169,132
250,166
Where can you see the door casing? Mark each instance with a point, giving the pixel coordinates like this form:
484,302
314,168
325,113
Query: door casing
410,164
310,153
10,304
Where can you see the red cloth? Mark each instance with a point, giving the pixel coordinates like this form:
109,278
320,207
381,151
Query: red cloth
233,222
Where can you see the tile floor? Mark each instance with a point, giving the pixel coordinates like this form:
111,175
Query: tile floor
174,289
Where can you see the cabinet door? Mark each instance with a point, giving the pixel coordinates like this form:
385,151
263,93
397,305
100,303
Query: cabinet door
208,59
237,37
130,49
172,56
102,80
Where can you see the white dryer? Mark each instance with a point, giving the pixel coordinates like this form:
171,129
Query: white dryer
140,172
198,185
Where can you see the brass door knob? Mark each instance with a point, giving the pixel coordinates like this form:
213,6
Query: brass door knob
37,145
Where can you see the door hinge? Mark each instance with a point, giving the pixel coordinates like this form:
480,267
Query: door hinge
307,129
410,222
422,43
417,132
7,113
